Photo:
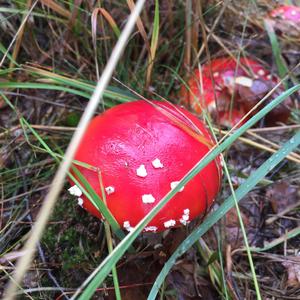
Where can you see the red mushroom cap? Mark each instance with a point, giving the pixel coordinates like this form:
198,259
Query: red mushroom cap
285,20
287,12
232,81
225,71
142,151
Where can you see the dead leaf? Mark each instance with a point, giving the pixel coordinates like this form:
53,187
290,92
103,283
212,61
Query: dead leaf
282,195
250,96
187,282
293,272
234,234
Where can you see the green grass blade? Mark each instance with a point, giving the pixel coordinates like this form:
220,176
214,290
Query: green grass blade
100,273
109,243
288,235
221,260
242,226
113,93
44,86
3,50
280,63
83,184
8,71
154,43
155,34
97,201
118,94
14,12
214,217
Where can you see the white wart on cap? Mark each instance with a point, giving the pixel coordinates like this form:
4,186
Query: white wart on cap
148,198
156,163
75,191
141,171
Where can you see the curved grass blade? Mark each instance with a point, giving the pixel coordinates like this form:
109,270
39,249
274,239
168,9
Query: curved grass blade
4,50
242,226
214,217
21,27
113,93
8,70
15,11
100,273
108,18
140,26
281,65
90,193
57,8
83,184
44,86
288,235
154,43
109,242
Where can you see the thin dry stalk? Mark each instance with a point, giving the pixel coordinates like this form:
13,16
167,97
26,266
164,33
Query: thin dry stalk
211,31
57,8
140,26
205,42
188,34
18,32
19,40
274,145
292,156
275,128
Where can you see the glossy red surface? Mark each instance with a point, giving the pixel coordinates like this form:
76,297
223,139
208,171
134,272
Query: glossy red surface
129,135
223,70
287,12
233,86
229,119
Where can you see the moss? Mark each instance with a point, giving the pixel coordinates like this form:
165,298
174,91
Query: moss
70,242
71,119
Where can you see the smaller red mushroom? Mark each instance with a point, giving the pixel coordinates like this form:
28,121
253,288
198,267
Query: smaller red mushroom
287,12
232,86
142,151
286,20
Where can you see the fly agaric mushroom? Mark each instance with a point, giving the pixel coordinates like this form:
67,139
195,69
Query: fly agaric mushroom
142,150
287,12
240,83
286,19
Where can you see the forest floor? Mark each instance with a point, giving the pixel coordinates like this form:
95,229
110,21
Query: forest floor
51,55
